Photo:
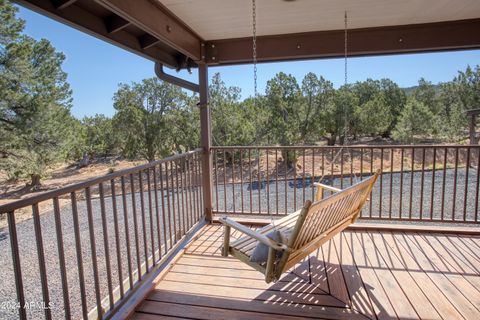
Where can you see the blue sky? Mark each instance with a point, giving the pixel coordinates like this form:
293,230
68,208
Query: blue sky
95,68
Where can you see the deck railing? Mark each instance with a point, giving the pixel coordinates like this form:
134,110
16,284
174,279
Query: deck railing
437,183
90,245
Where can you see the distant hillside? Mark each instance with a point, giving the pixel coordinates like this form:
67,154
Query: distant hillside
410,90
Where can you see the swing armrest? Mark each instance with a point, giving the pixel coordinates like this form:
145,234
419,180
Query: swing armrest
327,187
253,234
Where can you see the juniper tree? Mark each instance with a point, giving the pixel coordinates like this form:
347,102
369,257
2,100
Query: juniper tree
143,118
35,101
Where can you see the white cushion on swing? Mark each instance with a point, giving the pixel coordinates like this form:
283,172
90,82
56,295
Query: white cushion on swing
260,253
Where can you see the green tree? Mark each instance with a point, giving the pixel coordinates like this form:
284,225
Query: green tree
384,91
11,26
374,116
231,119
425,93
234,122
318,95
142,117
415,120
468,87
366,90
339,116
35,102
75,149
184,125
284,100
395,99
257,115
100,138
455,98
451,120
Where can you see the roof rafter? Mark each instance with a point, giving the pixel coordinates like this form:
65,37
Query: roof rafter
62,4
157,21
87,22
115,23
147,40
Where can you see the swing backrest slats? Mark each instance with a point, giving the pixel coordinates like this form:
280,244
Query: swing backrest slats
321,220
324,214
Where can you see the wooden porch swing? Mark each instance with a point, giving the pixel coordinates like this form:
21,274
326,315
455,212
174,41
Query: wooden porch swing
280,245
308,229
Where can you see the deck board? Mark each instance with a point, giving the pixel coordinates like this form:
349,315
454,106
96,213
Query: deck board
358,274
357,292
416,297
393,289
436,297
441,280
378,297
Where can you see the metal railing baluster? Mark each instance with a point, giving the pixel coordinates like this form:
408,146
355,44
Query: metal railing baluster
17,267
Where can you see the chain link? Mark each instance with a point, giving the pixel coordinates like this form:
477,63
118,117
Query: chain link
254,45
254,42
346,125
346,48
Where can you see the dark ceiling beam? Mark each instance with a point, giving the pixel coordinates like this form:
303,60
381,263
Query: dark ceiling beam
115,23
441,36
62,4
158,22
147,40
85,21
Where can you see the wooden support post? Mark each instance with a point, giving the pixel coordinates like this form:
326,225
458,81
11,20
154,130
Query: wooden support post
226,240
206,141
269,272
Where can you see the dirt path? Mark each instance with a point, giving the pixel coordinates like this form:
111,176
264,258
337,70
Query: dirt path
59,177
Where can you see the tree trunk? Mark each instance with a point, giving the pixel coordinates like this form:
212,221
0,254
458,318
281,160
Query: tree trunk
34,181
289,158
331,140
85,161
181,164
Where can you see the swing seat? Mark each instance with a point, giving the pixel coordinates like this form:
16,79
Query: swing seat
307,229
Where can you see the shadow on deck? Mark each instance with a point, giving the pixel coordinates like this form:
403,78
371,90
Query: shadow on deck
356,275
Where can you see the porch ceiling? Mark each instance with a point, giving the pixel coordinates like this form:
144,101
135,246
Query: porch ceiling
227,19
182,33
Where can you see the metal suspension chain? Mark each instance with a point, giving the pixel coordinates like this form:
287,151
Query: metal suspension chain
345,131
254,53
346,84
346,48
254,46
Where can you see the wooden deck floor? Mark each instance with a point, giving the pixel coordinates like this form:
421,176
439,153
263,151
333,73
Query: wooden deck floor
357,275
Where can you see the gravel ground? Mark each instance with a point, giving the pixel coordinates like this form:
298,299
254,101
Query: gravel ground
29,260
295,192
